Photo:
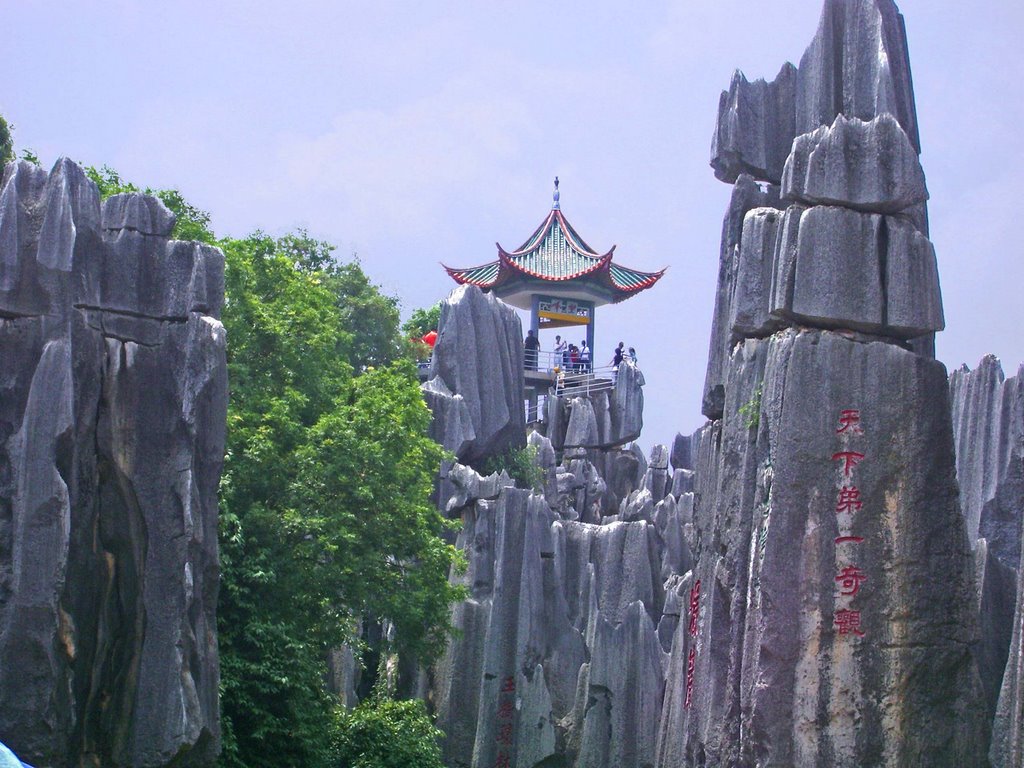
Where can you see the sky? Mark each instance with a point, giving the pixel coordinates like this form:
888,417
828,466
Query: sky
413,133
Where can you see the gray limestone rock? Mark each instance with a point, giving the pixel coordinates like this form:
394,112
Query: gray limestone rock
1007,750
452,425
867,165
682,453
856,65
756,124
789,641
111,443
479,355
839,268
144,214
750,309
682,482
996,585
746,195
581,431
988,424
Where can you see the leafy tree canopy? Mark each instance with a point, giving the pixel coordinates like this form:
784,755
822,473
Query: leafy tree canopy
381,733
6,143
325,518
422,320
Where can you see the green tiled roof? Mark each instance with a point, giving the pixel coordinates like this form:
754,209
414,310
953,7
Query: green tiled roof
557,253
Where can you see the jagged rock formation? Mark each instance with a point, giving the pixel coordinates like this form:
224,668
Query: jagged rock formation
795,584
836,607
606,418
988,423
856,66
476,372
112,420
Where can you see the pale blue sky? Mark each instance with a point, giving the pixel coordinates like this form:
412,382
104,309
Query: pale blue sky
414,133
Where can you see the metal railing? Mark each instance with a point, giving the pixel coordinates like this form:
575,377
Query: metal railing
576,383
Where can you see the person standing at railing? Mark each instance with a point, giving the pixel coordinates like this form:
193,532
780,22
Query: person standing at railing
531,345
584,357
561,352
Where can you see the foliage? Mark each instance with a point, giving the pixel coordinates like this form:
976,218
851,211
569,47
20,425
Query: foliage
6,143
29,156
382,733
325,518
325,497
421,321
750,411
521,465
190,223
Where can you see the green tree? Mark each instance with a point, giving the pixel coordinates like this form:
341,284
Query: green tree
191,223
6,143
381,733
422,320
325,519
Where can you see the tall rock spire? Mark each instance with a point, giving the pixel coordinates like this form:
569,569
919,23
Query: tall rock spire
835,617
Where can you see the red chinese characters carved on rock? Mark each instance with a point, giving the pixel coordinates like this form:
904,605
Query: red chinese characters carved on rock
848,622
508,685
503,760
694,607
850,579
850,460
849,499
849,421
691,664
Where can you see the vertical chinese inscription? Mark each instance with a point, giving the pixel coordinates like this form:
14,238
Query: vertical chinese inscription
850,577
506,722
691,661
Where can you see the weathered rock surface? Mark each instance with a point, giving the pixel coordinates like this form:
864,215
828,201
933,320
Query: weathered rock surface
988,423
1008,728
857,66
746,195
772,647
833,610
559,652
479,356
112,418
603,419
870,166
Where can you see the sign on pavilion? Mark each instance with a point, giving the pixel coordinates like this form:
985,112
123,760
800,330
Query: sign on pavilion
557,276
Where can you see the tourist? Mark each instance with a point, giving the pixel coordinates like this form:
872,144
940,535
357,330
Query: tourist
532,344
574,356
617,356
584,356
632,355
561,352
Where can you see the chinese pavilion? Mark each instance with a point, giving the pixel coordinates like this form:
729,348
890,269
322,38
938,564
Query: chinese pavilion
557,276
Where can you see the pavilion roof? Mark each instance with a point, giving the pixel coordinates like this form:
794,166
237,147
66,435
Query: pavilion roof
556,253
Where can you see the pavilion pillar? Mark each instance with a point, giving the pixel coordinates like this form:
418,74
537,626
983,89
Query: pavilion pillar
535,315
590,336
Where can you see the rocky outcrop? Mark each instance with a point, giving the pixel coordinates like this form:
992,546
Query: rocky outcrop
867,165
478,357
856,66
833,605
559,655
988,423
608,417
111,443
1008,728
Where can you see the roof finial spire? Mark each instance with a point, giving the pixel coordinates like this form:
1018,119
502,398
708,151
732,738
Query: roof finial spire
555,196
